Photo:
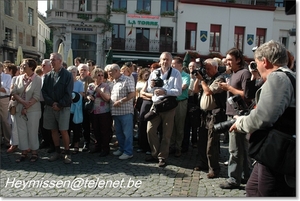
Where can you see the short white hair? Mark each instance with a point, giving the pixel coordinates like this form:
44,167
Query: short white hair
80,66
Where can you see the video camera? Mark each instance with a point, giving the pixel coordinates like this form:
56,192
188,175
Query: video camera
239,106
158,82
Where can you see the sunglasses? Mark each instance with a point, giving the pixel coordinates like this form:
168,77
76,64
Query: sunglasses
100,75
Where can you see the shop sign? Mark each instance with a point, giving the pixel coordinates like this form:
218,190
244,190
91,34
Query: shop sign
147,21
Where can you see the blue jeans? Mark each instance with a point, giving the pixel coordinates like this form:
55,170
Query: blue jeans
124,132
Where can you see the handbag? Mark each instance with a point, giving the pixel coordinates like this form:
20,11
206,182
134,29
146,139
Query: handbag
89,106
165,104
275,150
138,103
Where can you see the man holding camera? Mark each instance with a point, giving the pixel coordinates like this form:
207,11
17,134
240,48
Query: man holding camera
213,106
275,112
172,86
238,144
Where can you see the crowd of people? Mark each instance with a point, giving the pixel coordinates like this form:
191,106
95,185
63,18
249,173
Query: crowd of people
174,107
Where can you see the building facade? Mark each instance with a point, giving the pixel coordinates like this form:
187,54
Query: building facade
43,35
139,31
18,23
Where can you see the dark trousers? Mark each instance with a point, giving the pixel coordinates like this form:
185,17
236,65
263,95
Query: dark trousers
264,182
102,126
45,133
86,125
76,128
142,137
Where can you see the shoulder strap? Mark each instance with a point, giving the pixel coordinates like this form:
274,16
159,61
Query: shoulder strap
169,73
292,79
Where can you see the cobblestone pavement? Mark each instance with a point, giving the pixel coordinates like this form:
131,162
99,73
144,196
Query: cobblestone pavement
92,176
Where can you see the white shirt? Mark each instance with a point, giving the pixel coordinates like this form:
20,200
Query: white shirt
5,83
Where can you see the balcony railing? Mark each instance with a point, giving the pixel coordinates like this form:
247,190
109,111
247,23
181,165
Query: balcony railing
129,44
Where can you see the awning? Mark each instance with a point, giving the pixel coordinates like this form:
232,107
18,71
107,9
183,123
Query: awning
134,58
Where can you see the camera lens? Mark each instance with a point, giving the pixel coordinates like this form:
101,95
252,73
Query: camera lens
253,66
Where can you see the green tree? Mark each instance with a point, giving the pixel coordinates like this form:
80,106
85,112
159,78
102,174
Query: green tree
49,46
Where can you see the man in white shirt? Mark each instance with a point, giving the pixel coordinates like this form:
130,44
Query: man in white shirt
5,82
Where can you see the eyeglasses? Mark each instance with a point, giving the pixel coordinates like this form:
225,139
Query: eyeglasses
100,75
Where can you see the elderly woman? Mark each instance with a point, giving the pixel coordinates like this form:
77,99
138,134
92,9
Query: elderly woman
99,91
27,91
76,127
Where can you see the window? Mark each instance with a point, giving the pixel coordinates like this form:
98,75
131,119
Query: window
239,33
142,39
32,41
167,5
118,36
85,5
166,39
8,34
51,4
284,40
20,38
7,7
30,16
144,5
214,38
84,46
190,36
279,3
118,4
260,36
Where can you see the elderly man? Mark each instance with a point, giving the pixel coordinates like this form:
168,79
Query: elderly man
5,129
121,104
57,92
172,86
46,134
275,114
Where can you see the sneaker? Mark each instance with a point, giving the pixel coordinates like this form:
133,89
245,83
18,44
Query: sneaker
226,163
125,156
227,185
86,147
54,157
161,162
67,159
117,153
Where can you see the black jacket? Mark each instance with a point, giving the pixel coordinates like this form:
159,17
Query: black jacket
61,91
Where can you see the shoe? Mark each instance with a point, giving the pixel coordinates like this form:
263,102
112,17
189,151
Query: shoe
227,185
51,149
212,175
139,150
226,163
34,158
12,149
148,152
67,159
161,162
244,181
199,168
54,157
86,147
177,153
96,150
21,158
103,154
151,159
44,145
117,153
76,150
125,156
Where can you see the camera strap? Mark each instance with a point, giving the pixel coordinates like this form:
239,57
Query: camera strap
169,73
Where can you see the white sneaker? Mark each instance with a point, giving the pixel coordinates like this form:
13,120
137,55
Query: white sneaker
125,156
117,153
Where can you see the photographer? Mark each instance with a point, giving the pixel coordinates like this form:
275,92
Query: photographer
171,87
238,165
213,105
273,99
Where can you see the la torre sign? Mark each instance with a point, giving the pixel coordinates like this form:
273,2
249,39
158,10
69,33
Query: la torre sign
144,21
